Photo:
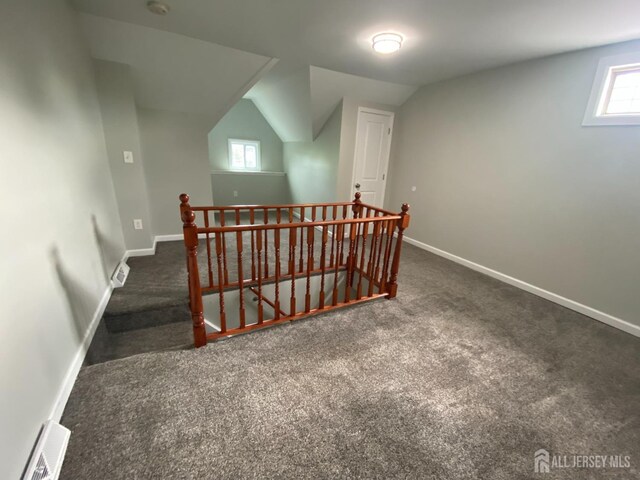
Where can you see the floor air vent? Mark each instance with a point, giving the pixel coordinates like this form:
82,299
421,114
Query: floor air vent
120,275
46,461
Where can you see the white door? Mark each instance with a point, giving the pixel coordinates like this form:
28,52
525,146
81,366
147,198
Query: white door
373,142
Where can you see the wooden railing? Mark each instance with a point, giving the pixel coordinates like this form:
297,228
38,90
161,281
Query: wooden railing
352,249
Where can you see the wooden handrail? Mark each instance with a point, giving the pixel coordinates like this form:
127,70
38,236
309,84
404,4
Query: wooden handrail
269,207
281,226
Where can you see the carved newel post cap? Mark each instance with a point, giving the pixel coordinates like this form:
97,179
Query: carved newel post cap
188,217
405,207
358,195
184,198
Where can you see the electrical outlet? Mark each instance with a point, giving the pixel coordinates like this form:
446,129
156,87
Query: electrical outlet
235,193
128,157
137,223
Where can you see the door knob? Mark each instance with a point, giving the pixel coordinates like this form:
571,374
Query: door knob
357,185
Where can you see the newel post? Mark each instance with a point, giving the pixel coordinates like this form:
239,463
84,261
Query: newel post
195,294
403,222
356,208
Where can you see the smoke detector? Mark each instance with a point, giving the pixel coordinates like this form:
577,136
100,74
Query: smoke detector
158,8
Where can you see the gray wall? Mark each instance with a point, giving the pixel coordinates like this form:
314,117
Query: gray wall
312,167
176,160
253,189
245,121
120,122
507,177
62,236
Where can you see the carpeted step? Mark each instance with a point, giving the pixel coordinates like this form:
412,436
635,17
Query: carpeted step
145,318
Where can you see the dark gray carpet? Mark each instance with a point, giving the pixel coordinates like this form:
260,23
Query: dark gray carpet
460,377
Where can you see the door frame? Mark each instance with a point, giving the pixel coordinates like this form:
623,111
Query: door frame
375,111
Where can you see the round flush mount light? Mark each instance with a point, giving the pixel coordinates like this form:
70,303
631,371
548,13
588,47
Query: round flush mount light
387,42
158,8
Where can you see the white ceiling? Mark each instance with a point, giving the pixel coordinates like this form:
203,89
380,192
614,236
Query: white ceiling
174,72
444,38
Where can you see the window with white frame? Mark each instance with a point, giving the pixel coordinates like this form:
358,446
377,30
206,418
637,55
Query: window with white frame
244,155
615,95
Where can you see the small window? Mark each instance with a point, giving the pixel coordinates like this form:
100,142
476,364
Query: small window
623,95
615,96
244,155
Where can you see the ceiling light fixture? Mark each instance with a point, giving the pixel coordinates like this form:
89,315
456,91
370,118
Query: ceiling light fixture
387,42
158,8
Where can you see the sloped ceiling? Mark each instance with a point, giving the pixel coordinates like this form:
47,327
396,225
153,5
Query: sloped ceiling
284,99
328,88
174,72
297,102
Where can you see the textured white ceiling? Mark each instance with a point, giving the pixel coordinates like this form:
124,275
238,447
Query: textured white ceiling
444,38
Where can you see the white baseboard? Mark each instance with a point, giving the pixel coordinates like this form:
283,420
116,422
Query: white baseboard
560,300
143,252
78,359
169,238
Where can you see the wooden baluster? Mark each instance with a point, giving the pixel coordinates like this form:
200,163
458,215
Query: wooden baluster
376,274
292,241
403,223
344,216
219,257
224,249
390,227
307,302
350,264
240,278
276,241
208,240
339,239
333,237
365,230
323,266
266,244
292,269
354,235
372,255
259,247
252,220
190,231
300,262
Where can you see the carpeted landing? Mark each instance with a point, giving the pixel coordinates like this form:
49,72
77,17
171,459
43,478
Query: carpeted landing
460,377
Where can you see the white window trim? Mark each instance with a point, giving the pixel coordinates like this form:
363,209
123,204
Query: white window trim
592,115
256,143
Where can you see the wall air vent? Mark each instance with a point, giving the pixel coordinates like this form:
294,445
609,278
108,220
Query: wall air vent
120,275
46,461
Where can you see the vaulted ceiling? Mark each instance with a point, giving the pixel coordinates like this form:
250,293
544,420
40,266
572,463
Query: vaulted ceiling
205,54
444,38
